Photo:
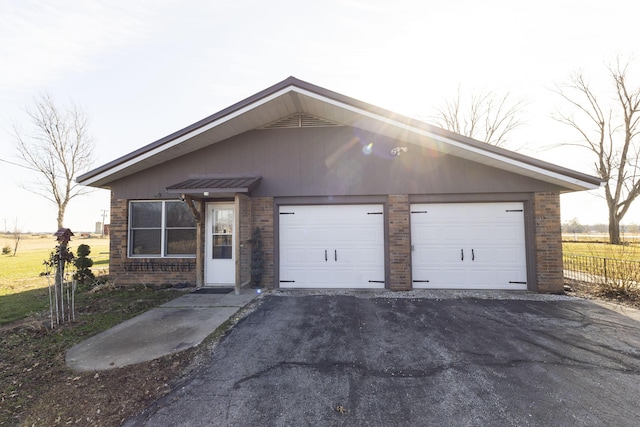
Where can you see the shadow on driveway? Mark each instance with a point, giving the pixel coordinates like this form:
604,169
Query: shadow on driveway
355,361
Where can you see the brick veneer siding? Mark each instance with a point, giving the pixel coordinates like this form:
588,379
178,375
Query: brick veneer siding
259,213
244,237
118,259
548,242
262,216
117,236
399,243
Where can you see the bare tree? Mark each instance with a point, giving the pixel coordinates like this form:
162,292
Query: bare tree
486,116
608,127
58,147
16,235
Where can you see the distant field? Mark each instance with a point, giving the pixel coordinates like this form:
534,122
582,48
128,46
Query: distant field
599,237
22,272
629,252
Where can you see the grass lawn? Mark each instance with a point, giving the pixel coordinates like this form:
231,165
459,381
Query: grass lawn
36,387
629,252
23,291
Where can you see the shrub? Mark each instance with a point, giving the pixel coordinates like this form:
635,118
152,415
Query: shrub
621,279
257,258
6,250
83,265
613,269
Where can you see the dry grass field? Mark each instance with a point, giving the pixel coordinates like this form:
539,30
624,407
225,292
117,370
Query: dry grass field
629,252
22,272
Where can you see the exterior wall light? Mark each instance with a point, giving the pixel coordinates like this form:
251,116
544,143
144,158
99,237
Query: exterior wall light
396,151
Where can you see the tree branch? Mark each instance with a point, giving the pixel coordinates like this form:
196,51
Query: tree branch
58,147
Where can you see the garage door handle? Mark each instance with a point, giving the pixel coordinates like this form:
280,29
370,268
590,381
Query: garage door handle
335,254
473,256
325,255
461,254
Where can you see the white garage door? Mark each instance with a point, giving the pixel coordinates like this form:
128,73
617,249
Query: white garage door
468,246
338,246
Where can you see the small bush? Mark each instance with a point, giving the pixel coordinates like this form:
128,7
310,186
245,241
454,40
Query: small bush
257,258
613,269
6,250
621,280
83,265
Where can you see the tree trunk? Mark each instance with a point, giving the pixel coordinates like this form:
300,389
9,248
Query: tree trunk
614,227
58,284
60,217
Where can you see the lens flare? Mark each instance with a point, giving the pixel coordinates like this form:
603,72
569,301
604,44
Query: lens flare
367,149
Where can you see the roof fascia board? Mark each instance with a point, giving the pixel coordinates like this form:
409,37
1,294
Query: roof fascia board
476,150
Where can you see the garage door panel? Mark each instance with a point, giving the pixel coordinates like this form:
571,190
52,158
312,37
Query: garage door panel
511,279
346,277
478,233
491,236
452,233
360,236
292,256
507,233
343,246
300,276
297,234
509,256
439,278
445,256
427,231
363,256
480,256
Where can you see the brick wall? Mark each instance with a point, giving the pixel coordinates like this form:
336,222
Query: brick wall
244,237
259,212
117,236
131,271
548,242
399,243
262,215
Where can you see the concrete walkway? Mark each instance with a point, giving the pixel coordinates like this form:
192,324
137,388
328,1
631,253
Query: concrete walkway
170,328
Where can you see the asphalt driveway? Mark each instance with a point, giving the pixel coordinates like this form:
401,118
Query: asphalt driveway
343,360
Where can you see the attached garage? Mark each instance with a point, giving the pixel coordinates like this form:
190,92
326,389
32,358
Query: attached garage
332,246
468,246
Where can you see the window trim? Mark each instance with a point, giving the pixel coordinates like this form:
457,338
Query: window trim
162,229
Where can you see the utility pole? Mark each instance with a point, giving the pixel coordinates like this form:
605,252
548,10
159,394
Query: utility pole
104,214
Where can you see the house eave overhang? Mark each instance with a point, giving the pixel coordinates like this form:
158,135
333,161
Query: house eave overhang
295,96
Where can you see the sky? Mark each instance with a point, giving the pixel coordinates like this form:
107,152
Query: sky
142,69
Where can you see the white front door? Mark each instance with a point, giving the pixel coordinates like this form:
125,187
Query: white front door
468,246
332,246
220,239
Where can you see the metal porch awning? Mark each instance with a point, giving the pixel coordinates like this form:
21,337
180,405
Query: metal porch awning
203,187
